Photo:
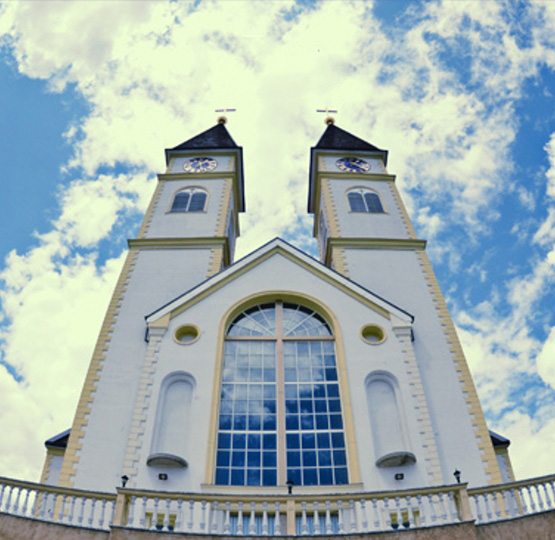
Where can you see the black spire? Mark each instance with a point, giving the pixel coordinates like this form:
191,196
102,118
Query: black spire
335,138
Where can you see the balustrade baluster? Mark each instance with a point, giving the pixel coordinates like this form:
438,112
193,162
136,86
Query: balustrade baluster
214,517
316,518
8,500
252,524
487,502
513,503
497,508
431,506
179,515
277,521
240,525
408,498
340,517
421,512
539,496
453,513
398,511
548,502
552,485
227,519
35,499
353,525
71,511
531,499
377,521
523,499
102,513
16,503
166,524
81,515
304,524
202,515
142,521
442,508
387,512
62,508
131,511
191,521
265,518
364,517
4,486
329,528
154,522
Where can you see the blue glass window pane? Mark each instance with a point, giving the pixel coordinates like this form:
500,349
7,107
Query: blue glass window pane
269,477
324,457
197,202
294,475
253,477
308,440
341,475
269,442
180,202
253,459
337,440
310,477
309,459
238,459
239,441
291,422
224,440
222,459
255,442
240,422
307,421
320,406
293,459
255,421
331,374
322,421
225,421
222,476
292,406
324,440
356,202
306,405
335,405
291,391
339,457
293,440
326,476
269,406
333,390
237,477
269,459
373,202
270,422
335,421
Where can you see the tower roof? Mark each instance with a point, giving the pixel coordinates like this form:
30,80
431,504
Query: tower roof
335,138
215,137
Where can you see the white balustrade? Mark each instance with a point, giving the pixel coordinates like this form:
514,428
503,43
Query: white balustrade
278,515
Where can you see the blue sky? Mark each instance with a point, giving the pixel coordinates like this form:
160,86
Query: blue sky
92,92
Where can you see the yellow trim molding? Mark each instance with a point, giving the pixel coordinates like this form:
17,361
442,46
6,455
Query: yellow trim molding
86,400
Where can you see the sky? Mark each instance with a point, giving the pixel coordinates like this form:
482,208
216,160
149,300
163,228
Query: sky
459,92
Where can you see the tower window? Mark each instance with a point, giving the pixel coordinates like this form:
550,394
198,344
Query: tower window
280,409
189,200
364,200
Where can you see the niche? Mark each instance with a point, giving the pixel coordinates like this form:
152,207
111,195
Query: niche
172,428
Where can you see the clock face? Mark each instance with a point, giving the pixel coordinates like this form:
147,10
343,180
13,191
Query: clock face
200,164
350,164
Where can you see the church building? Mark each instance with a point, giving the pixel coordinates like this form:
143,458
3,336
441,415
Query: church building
277,371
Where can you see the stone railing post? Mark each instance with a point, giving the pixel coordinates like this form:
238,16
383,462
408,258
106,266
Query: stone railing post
120,513
463,504
291,518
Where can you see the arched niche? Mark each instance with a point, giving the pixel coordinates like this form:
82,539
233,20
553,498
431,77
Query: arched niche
387,421
172,429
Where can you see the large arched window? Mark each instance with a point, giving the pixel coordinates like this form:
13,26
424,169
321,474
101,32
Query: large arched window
189,200
364,200
280,410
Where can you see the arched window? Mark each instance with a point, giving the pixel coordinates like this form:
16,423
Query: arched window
390,441
171,433
189,200
364,200
280,410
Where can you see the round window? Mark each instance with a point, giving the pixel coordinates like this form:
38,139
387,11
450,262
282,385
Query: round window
186,334
372,334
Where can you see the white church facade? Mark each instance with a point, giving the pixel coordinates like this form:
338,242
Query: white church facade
276,393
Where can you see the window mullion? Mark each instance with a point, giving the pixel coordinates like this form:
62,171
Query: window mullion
282,469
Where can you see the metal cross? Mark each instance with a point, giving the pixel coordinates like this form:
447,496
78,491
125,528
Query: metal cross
329,119
222,119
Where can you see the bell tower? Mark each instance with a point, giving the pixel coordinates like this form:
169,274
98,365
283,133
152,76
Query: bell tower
188,234
364,232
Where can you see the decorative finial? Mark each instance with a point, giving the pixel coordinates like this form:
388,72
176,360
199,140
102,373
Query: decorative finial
329,119
223,119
